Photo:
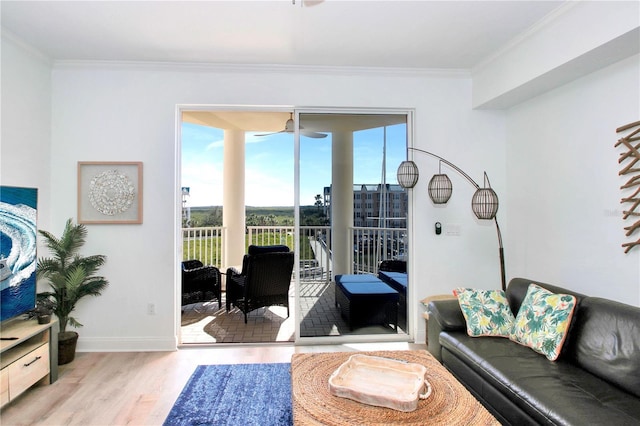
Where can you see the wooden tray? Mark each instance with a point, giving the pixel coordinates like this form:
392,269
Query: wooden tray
383,382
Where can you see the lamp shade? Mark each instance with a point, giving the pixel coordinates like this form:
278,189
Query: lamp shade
485,203
407,174
440,189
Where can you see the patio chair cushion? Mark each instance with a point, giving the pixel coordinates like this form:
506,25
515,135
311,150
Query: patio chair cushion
355,288
356,278
253,249
397,280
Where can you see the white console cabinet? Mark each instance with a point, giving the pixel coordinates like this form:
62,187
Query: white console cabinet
28,355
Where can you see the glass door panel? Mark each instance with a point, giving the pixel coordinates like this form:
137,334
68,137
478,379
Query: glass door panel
353,223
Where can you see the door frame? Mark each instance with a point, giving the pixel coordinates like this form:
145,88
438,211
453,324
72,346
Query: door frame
298,340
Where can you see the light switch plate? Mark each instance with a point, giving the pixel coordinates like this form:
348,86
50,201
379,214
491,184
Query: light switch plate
452,230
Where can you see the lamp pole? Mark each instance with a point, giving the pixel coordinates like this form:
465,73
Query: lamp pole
495,218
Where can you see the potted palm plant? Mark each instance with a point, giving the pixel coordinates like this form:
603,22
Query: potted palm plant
71,277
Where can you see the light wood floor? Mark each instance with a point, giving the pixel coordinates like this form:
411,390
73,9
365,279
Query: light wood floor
139,388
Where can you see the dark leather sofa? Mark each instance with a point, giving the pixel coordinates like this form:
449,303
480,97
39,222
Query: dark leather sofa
595,380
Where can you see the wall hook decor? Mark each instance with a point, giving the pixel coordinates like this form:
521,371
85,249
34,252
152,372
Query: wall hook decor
631,188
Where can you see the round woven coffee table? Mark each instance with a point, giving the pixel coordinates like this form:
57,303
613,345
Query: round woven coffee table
449,403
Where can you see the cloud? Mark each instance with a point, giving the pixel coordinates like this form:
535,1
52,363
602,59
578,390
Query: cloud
205,182
215,144
268,189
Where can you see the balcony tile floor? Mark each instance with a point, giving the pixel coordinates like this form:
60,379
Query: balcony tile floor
207,323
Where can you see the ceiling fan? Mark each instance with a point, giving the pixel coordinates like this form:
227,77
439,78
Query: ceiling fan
308,3
289,128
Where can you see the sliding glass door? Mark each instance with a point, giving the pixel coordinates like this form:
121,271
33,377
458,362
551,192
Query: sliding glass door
320,181
351,221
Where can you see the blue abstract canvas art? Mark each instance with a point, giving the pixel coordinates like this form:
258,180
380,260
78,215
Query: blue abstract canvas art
18,257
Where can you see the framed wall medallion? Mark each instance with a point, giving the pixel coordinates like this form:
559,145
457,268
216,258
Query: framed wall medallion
110,192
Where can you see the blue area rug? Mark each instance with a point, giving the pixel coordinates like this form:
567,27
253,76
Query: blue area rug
240,394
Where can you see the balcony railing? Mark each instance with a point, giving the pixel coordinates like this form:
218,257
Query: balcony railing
370,246
204,244
373,245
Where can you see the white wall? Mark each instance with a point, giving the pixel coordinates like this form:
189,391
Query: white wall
127,113
565,217
26,123
561,174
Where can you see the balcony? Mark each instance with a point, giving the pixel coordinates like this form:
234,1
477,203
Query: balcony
204,322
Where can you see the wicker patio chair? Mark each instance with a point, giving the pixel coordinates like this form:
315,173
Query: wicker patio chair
264,280
393,266
200,283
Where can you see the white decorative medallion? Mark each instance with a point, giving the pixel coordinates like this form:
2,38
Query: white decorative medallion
111,192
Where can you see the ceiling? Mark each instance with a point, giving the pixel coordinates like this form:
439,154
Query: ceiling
271,121
401,34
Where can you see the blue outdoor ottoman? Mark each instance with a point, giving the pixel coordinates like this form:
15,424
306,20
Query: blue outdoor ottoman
366,300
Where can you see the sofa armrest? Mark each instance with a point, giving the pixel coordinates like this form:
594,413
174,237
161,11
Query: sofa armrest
444,315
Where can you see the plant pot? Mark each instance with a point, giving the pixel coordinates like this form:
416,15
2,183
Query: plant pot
67,341
44,319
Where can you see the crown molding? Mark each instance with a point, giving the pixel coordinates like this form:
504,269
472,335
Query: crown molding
260,68
19,42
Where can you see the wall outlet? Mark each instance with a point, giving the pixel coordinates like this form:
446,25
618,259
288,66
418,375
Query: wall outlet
151,308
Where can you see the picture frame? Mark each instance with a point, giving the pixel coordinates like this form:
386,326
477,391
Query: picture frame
110,192
18,250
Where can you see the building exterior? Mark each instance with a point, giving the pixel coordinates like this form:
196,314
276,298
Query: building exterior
374,203
186,209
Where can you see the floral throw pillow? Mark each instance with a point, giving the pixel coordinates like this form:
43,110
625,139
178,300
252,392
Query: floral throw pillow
486,312
543,321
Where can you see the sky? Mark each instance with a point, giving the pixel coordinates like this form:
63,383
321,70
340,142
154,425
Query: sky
269,162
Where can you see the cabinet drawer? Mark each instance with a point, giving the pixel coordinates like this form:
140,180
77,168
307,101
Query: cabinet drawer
28,370
4,386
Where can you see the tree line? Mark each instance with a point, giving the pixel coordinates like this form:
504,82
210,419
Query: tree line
259,216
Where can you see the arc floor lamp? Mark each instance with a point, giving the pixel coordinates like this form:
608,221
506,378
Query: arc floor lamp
484,202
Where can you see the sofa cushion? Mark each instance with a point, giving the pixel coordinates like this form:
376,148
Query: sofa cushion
550,392
486,312
543,321
518,288
608,342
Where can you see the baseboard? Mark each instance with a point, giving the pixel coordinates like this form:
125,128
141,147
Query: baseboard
118,344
